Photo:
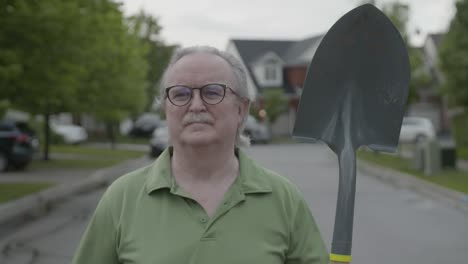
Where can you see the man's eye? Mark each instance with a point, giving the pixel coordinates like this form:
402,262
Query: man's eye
213,90
181,93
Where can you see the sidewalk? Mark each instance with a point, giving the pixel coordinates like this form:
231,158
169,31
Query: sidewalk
461,164
450,197
76,182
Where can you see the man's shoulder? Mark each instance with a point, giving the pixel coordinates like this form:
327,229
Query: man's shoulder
279,184
278,181
131,182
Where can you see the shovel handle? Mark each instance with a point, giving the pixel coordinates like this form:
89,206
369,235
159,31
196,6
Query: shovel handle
343,229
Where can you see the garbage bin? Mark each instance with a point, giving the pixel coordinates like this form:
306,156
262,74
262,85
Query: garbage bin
418,156
431,157
426,157
448,153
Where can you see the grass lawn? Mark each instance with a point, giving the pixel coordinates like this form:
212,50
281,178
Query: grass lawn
283,140
462,153
86,158
11,191
73,163
120,139
453,179
89,158
96,152
133,140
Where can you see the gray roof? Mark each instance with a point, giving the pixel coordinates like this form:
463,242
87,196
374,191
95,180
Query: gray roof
297,55
250,50
292,52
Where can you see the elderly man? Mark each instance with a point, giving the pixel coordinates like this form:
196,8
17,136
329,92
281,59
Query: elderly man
203,200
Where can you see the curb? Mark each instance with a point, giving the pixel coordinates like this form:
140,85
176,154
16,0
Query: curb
39,203
456,199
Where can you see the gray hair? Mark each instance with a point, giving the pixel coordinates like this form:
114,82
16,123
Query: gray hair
239,74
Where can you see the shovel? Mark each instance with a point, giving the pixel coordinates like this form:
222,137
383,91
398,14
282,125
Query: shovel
354,95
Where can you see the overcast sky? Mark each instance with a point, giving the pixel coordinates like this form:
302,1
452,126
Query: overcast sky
214,22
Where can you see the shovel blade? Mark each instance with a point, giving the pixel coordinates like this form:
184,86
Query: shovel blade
358,76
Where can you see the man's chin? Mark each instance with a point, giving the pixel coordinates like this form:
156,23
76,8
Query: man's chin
196,139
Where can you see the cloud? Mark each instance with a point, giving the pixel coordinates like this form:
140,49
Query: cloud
215,21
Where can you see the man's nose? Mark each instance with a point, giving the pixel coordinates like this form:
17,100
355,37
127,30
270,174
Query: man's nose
197,101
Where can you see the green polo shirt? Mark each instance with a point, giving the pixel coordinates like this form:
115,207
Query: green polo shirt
145,218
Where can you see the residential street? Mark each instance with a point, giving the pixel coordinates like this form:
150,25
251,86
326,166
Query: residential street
392,225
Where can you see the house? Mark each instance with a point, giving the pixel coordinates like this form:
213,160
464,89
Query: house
433,105
272,64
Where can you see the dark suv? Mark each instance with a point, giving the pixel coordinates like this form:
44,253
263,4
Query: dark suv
18,143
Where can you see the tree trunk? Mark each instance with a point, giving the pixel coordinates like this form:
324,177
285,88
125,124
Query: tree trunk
111,133
46,135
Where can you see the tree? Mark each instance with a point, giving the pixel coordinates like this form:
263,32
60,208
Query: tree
40,55
115,84
453,57
147,28
275,103
70,56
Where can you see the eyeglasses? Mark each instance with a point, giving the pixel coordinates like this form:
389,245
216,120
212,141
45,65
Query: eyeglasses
212,93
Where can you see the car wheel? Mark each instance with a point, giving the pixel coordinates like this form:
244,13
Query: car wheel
3,162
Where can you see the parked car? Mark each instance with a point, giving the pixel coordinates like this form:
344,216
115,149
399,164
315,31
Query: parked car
145,125
71,134
159,140
415,129
258,132
18,143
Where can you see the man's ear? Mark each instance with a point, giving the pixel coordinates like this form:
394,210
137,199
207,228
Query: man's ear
243,109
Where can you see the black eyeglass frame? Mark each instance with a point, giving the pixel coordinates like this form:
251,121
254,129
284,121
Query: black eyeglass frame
201,94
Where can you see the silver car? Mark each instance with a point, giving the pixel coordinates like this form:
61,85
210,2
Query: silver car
159,140
258,132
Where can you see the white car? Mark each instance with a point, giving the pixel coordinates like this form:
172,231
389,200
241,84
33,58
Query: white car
72,134
415,129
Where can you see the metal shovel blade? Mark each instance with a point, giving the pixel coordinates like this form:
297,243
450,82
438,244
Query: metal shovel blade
355,94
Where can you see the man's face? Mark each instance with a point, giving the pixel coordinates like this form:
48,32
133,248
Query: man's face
221,121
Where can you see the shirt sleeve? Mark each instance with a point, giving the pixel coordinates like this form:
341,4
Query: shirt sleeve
98,244
306,244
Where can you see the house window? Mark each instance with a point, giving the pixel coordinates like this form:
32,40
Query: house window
271,72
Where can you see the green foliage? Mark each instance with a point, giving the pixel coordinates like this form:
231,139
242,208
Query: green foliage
454,57
147,29
460,129
4,105
275,103
399,14
462,152
40,53
115,82
78,56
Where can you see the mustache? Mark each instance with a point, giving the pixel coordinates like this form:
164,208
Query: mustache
196,118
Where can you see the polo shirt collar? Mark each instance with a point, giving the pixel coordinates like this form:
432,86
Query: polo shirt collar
252,178
160,172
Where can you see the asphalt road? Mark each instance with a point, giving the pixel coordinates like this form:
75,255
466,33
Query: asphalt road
391,225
